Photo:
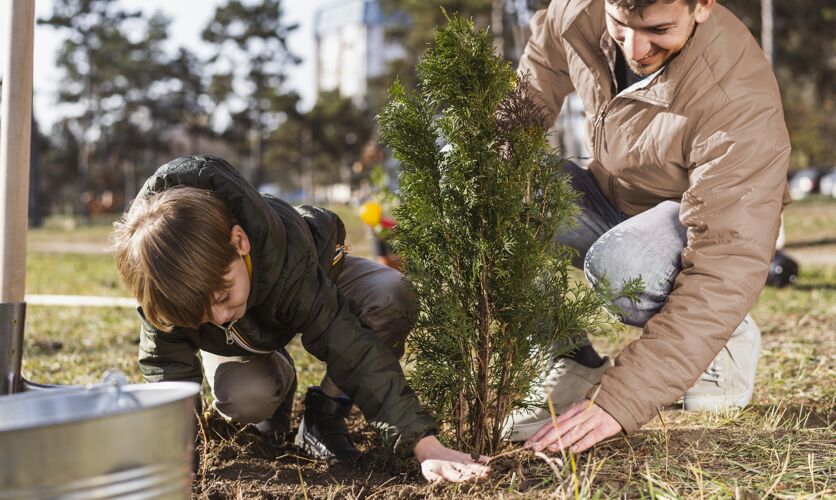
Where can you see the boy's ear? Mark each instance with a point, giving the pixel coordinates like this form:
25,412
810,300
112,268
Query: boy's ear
238,238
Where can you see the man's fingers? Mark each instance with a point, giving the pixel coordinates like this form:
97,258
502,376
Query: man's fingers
588,441
573,434
554,435
540,434
572,411
561,422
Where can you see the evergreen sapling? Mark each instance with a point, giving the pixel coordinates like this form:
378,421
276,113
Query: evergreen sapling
481,195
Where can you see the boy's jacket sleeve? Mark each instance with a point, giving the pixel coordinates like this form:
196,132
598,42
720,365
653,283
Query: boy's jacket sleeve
357,360
167,356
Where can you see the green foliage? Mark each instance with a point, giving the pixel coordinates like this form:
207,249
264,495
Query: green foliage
505,18
320,146
127,92
474,228
803,33
248,69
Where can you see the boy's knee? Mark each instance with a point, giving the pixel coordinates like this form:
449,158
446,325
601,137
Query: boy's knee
251,391
248,403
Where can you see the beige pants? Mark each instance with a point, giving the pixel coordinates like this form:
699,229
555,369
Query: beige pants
249,389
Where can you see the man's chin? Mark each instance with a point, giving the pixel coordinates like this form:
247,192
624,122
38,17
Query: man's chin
645,70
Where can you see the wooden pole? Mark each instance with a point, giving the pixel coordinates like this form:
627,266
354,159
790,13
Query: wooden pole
15,143
15,136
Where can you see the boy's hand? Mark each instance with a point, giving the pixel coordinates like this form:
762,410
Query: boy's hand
583,425
439,463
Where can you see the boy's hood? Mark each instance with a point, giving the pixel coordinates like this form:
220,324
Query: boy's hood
264,228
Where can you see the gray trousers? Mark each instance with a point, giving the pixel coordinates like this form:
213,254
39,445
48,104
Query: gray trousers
249,389
621,248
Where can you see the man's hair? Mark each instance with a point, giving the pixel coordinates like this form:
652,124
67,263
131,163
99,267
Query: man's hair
640,5
173,250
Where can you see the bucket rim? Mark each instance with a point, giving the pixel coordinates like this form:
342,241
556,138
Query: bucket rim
180,390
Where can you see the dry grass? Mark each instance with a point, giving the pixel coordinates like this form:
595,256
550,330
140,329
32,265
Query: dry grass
782,446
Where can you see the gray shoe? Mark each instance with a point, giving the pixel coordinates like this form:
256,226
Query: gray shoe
567,383
730,379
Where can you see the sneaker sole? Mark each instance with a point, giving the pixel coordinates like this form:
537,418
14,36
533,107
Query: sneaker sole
311,447
716,403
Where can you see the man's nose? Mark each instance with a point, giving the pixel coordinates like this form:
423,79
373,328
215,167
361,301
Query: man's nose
636,45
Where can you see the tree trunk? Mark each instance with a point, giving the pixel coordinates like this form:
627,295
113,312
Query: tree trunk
767,37
497,27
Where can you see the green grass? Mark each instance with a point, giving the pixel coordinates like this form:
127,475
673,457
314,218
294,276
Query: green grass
781,446
73,274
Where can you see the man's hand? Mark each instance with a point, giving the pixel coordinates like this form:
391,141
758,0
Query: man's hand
583,425
439,463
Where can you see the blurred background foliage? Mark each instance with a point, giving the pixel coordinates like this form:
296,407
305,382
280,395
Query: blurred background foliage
135,103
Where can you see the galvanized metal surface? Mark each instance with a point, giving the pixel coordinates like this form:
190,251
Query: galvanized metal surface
12,317
135,441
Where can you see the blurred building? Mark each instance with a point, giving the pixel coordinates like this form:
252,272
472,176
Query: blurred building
352,46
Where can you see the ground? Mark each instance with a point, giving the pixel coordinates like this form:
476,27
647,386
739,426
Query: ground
780,446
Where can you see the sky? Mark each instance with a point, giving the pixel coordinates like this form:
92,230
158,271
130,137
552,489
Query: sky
188,19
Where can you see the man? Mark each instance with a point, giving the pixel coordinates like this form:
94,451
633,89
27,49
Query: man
685,189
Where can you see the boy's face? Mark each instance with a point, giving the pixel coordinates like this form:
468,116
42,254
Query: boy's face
231,304
653,37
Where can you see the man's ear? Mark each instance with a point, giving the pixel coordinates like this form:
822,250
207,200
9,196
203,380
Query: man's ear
703,9
238,238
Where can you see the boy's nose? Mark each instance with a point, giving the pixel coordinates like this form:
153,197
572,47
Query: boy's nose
220,316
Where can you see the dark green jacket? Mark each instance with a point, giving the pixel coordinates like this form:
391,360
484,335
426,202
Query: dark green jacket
294,265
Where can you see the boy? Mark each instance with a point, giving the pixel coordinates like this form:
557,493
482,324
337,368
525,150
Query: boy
218,268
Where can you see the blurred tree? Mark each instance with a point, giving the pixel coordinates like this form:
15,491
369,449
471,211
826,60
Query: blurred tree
804,65
248,70
506,18
339,130
94,32
320,146
127,91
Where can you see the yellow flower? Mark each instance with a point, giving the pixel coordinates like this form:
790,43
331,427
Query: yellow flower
370,213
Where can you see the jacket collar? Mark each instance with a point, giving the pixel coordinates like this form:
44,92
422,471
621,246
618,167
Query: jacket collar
592,47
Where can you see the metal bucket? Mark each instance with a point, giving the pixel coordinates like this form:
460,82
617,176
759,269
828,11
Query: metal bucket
104,441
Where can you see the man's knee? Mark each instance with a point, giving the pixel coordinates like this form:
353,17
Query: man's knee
631,252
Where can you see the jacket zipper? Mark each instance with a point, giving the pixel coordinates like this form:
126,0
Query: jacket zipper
233,337
599,131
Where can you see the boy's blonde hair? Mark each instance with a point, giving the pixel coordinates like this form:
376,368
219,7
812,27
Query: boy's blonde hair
173,250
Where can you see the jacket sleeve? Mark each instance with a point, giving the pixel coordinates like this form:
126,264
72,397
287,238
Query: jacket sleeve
544,60
737,178
167,356
357,360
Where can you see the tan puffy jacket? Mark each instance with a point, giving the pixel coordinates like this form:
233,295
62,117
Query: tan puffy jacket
708,130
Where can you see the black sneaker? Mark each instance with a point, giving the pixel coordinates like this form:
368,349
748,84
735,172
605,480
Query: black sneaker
279,422
323,433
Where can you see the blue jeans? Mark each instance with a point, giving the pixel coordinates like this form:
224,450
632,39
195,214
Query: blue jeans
621,248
